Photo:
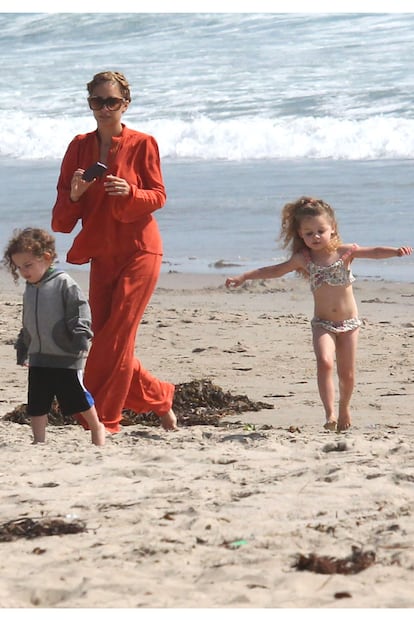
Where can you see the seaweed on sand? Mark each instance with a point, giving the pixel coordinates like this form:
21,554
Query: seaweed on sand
199,402
29,528
353,564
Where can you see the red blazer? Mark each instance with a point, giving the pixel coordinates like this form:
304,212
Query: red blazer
112,225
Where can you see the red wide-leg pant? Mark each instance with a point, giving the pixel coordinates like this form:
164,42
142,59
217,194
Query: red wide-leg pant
118,295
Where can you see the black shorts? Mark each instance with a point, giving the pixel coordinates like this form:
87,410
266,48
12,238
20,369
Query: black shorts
66,385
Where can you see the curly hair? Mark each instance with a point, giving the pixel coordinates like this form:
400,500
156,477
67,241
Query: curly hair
294,213
32,240
110,76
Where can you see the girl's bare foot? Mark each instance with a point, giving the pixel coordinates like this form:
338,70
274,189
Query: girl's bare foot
344,419
98,435
169,421
330,425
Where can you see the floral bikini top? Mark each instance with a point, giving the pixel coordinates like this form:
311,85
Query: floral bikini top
335,275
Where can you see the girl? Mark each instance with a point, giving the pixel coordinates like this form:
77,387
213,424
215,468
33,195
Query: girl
309,229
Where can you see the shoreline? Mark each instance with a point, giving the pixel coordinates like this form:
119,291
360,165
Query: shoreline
231,223
183,280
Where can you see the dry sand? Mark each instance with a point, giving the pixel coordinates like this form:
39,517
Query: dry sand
217,516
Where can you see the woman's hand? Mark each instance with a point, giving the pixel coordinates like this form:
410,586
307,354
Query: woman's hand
78,185
116,186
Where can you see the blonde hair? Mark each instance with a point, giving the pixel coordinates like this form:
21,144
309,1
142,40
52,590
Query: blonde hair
32,240
110,76
293,215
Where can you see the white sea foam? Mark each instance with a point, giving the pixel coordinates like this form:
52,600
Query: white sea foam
32,137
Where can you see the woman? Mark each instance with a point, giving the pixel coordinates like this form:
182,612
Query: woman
121,239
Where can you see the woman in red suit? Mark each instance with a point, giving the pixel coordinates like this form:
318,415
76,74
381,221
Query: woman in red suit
121,240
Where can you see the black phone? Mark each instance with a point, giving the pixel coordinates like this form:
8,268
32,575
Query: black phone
94,171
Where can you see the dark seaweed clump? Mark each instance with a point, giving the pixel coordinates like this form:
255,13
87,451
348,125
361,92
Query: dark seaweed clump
199,402
353,564
30,528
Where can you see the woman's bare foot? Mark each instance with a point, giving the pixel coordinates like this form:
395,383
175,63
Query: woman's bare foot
330,425
169,421
98,435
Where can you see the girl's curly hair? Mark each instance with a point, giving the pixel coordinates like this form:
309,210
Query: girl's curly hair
32,240
294,213
292,216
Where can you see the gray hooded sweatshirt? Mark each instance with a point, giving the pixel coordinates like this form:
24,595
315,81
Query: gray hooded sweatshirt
56,323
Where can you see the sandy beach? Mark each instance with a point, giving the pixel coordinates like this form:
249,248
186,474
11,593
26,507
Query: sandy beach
219,516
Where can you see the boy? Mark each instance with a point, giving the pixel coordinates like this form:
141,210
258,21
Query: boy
55,334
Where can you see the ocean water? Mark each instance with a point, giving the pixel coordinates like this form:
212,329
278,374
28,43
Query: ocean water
250,111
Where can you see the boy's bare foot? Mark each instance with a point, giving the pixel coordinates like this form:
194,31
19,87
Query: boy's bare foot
169,421
98,435
330,425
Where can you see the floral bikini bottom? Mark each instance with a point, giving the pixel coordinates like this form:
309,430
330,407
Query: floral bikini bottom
336,327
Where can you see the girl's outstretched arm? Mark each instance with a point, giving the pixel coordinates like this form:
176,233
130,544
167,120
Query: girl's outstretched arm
380,252
295,262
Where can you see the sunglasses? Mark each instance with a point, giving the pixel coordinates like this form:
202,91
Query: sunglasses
112,103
